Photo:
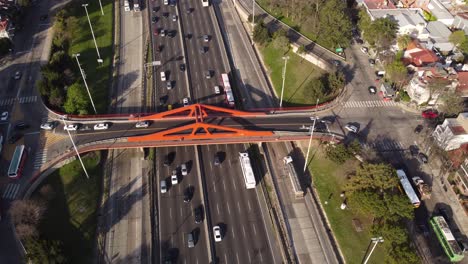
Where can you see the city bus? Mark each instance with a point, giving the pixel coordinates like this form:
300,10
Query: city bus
205,3
446,238
227,90
247,172
17,162
405,183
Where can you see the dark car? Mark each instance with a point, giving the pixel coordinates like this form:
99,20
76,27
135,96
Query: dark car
21,125
418,129
372,62
155,9
422,157
216,161
167,161
188,193
372,90
154,19
182,67
202,50
198,212
165,14
15,137
189,10
414,150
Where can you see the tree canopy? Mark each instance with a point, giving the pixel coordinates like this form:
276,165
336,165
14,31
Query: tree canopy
396,72
452,104
77,100
379,33
457,37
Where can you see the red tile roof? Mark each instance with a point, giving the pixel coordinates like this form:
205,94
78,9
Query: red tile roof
423,57
462,81
379,4
458,130
3,24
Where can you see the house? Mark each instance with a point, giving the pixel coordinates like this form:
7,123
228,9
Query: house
461,22
461,178
6,28
418,88
439,36
462,87
418,56
410,23
439,11
453,132
378,4
387,90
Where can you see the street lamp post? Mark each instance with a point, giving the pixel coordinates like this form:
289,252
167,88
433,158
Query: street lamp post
92,33
253,19
310,139
374,240
84,80
285,58
102,10
76,150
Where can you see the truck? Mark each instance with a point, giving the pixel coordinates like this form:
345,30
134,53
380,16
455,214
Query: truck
247,171
136,6
423,189
293,177
126,6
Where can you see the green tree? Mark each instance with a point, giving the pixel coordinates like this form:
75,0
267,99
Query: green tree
5,46
379,33
452,104
464,46
335,24
429,16
281,41
24,3
314,89
45,251
457,37
437,86
301,50
335,82
56,97
77,100
397,72
403,41
355,147
379,177
338,153
261,35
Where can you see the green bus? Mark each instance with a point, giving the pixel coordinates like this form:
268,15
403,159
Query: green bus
446,238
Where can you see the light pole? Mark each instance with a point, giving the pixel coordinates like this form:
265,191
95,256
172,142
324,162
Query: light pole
285,58
374,240
102,10
253,19
92,33
310,139
84,80
76,150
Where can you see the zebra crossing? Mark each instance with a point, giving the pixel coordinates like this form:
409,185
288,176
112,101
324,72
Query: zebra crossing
11,191
369,104
383,146
21,100
40,159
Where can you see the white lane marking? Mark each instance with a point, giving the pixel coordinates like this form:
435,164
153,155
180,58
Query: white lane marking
243,230
234,183
237,257
214,187
170,213
181,213
32,133
255,229
248,204
238,207
261,256
217,208
224,186
232,231
229,209
250,259
225,259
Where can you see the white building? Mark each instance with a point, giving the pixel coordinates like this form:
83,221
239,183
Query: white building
439,36
461,22
439,11
452,133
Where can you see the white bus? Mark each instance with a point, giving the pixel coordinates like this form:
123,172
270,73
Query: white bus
247,171
17,162
227,90
408,188
205,3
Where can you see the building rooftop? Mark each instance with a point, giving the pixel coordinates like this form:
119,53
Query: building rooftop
462,82
423,57
405,19
438,29
438,10
379,4
410,12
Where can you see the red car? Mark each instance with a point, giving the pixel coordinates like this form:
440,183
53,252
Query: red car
430,114
156,31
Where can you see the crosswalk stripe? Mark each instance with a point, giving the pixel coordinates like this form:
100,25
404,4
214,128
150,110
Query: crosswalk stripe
11,191
368,104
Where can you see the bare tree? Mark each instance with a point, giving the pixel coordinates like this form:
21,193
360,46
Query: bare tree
26,231
26,212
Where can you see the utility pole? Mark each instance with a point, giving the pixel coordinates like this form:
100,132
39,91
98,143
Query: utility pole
285,58
374,240
92,33
102,10
253,19
310,139
84,80
76,150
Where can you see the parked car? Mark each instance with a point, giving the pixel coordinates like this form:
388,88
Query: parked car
101,126
142,124
414,150
372,90
351,128
4,116
422,157
48,125
217,234
155,31
365,50
430,114
418,129
71,127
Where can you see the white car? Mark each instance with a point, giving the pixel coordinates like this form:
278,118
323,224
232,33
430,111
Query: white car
186,102
217,233
174,179
183,169
163,76
17,75
217,89
166,2
142,124
71,127
101,126
206,38
47,126
4,116
163,186
174,18
351,128
365,50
